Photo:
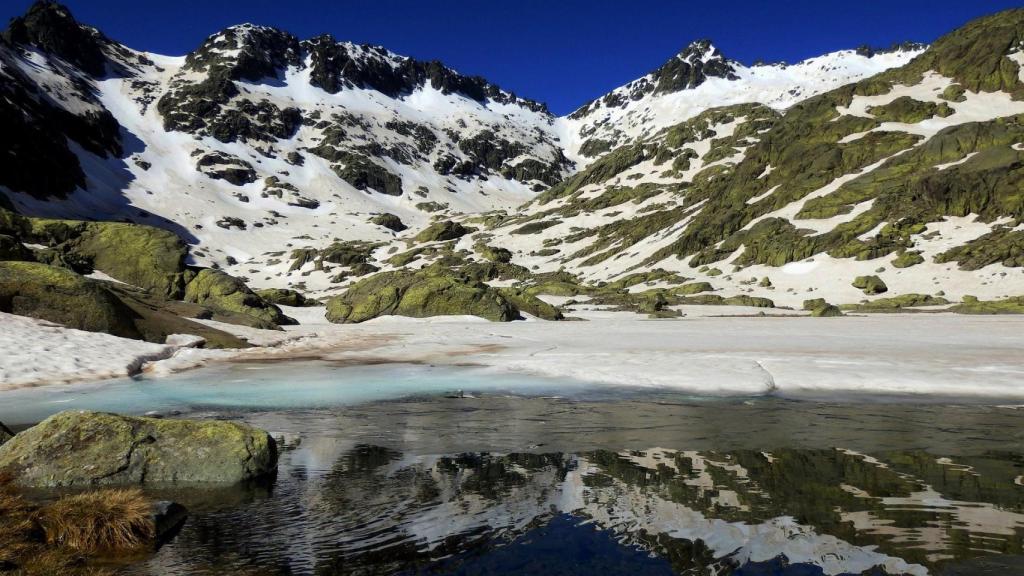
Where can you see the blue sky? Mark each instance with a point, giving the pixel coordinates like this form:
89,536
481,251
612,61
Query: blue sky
563,52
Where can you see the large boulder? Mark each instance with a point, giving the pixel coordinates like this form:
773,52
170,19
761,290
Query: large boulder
870,285
441,231
221,292
419,294
142,256
285,297
81,448
59,295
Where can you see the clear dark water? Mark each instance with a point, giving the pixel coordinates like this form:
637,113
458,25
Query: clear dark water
595,481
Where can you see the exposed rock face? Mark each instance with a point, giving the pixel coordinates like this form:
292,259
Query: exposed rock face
389,221
80,448
5,434
429,292
50,26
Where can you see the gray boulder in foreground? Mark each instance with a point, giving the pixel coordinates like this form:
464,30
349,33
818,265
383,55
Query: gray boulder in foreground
81,448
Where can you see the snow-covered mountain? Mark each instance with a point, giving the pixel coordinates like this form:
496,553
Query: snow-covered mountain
849,176
257,131
701,77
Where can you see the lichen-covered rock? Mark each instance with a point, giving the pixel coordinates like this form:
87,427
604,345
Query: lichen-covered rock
81,448
420,294
284,297
494,253
221,292
389,221
531,304
144,256
441,231
827,311
61,296
972,305
870,285
12,249
896,303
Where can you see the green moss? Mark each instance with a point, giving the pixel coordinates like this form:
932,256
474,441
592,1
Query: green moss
128,450
61,296
433,291
494,253
826,311
536,227
530,304
745,300
909,111
1003,246
284,297
907,259
870,284
971,305
693,288
896,303
142,256
655,275
444,230
954,93
220,292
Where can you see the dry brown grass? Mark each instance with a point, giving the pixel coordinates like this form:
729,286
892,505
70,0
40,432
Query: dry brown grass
18,529
57,539
101,521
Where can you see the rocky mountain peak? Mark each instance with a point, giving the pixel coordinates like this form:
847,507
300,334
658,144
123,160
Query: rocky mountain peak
50,27
246,52
693,65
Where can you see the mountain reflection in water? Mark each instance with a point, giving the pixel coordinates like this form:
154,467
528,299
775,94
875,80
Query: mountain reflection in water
340,506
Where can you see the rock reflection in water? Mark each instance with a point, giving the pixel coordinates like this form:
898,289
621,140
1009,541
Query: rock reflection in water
375,510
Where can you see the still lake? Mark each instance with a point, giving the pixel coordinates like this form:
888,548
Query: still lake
414,469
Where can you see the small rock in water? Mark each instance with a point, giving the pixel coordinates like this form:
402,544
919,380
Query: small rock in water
168,517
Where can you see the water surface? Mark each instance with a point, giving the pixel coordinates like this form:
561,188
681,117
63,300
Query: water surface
385,470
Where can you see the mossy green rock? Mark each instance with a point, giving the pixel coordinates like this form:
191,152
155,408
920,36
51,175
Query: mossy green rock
389,221
81,448
61,296
530,304
440,231
693,288
494,253
420,294
142,256
971,305
896,303
870,284
827,311
220,292
284,297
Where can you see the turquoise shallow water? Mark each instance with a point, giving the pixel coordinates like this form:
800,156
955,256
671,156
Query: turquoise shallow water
272,386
